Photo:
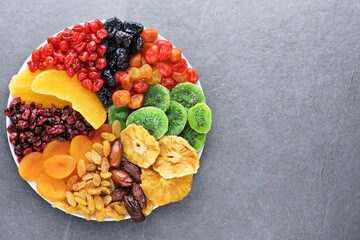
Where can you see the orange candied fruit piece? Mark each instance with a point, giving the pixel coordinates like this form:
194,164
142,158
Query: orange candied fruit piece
97,136
121,98
135,60
79,146
136,101
55,147
31,166
59,166
50,188
146,71
149,34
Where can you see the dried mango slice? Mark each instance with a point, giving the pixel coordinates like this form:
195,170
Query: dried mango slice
58,83
20,86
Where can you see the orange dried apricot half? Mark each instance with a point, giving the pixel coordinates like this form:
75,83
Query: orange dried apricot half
97,136
79,146
59,166
50,188
55,147
31,166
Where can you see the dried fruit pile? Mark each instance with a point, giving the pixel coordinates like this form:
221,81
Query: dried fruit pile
141,154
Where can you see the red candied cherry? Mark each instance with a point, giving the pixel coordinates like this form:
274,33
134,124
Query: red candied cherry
70,72
82,76
94,75
165,53
117,76
101,34
49,49
101,49
69,59
60,66
35,55
67,34
91,46
64,46
94,38
181,66
193,77
87,28
84,56
78,28
100,63
60,57
152,54
32,66
168,82
87,84
94,27
140,86
93,56
98,83
54,41
49,61
41,66
164,69
99,23
164,43
79,47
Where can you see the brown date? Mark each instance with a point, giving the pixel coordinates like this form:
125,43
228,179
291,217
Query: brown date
138,194
116,154
119,194
133,208
133,170
121,178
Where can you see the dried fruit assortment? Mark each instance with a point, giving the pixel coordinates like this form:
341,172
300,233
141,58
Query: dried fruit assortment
108,121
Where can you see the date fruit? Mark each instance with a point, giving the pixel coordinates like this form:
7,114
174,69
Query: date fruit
121,178
119,194
138,194
116,154
133,170
133,208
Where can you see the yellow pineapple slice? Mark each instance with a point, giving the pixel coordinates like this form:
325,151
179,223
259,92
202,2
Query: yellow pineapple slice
162,191
20,86
177,158
139,146
58,83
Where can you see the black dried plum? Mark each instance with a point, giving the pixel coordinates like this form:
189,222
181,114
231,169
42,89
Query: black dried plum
105,97
108,78
111,32
123,38
133,28
136,45
123,58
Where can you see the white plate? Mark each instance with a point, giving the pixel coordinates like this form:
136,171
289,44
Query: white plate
8,122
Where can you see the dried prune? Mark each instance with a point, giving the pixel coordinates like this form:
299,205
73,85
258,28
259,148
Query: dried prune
136,45
133,170
133,208
123,38
123,58
138,194
108,78
133,28
105,97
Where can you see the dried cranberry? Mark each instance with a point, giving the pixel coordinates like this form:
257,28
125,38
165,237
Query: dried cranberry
23,124
13,137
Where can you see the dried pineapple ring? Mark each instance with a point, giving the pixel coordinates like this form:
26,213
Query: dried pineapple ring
162,191
139,146
177,158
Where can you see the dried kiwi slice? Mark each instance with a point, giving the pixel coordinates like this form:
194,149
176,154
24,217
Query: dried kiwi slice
195,139
157,96
152,119
119,113
177,116
200,118
187,94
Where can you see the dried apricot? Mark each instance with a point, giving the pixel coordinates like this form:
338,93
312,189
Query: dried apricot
55,147
79,146
121,98
59,166
51,188
97,136
31,166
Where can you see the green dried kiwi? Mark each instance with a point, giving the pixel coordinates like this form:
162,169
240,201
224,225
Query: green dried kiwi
157,96
187,94
195,139
119,113
200,118
152,119
177,116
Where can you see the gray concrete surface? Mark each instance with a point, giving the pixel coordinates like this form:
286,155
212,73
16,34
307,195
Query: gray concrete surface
282,159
